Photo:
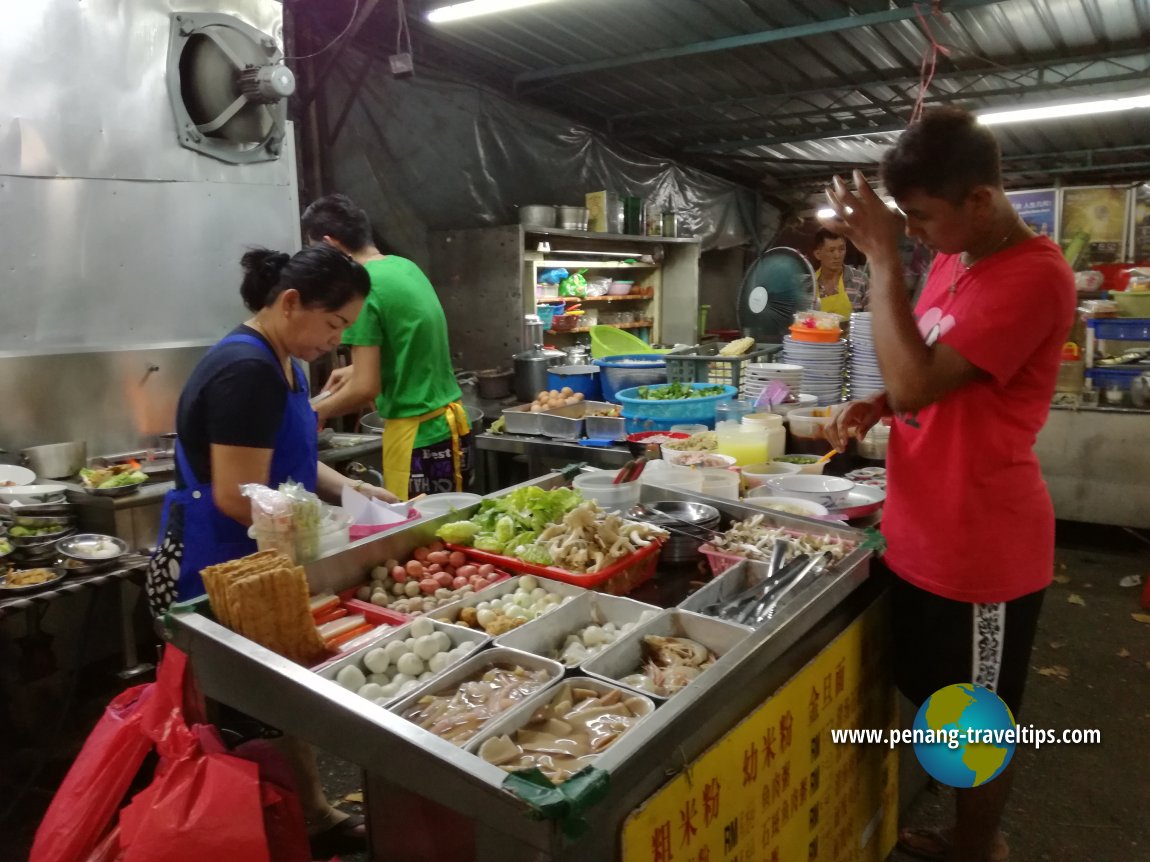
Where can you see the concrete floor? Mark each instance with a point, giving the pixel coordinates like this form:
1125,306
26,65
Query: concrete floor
1070,804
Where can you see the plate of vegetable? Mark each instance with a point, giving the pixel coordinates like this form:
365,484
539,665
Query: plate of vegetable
116,481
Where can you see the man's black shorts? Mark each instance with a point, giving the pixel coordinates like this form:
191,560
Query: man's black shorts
940,642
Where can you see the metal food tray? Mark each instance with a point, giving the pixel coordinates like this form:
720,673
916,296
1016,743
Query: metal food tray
545,635
566,423
605,427
515,718
458,634
726,586
625,656
520,420
450,613
6,591
456,675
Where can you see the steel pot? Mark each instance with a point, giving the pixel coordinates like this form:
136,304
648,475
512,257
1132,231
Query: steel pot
56,460
494,383
531,371
572,218
538,215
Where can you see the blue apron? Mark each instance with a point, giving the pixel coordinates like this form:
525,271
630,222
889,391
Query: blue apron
210,536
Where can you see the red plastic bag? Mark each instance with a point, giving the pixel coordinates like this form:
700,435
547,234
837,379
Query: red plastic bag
283,816
94,787
203,804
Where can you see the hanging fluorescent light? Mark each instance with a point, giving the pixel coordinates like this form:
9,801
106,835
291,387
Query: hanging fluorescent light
473,8
1075,109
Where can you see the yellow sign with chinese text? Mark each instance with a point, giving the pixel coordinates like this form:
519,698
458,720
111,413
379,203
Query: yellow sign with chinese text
775,789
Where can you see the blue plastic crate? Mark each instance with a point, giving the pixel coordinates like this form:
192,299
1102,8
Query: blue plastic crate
1121,328
1120,375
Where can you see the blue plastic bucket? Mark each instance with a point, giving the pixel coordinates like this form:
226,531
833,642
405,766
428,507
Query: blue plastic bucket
581,378
629,371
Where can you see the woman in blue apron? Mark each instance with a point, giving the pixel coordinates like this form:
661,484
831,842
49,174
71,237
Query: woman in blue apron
243,418
244,415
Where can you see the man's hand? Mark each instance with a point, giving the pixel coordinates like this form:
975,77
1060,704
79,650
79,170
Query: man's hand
854,420
863,218
339,379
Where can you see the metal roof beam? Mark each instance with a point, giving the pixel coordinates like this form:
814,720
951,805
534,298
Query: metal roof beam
893,81
907,101
764,37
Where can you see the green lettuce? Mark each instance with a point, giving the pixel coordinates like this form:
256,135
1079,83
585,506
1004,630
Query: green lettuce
458,532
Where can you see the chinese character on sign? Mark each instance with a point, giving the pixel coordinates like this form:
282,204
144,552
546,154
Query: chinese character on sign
731,836
828,689
750,765
687,822
711,801
704,855
786,731
813,706
775,855
816,747
803,791
769,747
766,803
813,817
775,824
786,810
840,677
814,781
661,843
777,783
813,850
786,775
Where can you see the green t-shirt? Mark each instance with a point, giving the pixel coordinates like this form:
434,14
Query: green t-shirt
403,318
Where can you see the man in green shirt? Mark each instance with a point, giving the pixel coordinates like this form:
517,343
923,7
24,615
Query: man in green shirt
399,358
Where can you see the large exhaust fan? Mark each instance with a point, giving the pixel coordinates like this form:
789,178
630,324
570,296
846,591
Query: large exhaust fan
227,83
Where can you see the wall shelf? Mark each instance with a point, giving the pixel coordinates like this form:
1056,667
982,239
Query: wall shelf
639,324
632,296
589,264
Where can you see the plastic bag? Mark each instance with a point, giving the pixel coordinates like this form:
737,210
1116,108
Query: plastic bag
94,787
574,285
203,804
292,520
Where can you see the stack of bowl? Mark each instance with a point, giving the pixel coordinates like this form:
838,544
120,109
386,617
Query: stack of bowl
33,518
683,544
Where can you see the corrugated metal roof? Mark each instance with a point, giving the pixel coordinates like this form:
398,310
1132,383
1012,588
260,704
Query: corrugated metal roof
767,89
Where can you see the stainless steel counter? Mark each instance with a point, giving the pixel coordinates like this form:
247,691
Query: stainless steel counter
541,454
410,771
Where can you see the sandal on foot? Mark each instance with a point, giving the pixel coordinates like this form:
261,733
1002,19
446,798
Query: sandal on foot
933,844
349,835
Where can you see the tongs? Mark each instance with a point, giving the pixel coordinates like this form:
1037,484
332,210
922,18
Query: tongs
814,566
780,583
725,607
676,525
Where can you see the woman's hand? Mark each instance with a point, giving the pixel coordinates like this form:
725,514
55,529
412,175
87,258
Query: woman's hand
854,420
375,492
863,218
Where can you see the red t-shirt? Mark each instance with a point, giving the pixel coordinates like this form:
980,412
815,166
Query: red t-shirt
968,516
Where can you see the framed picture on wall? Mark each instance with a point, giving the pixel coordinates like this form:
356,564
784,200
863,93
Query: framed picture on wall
1039,209
1140,225
1093,226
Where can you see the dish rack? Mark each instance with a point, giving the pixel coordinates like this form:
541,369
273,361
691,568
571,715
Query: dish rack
705,365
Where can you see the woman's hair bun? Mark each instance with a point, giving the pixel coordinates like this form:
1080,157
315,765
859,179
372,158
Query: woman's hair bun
262,269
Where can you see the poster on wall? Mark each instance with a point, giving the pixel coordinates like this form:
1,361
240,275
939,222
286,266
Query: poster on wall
1039,209
1093,225
1140,233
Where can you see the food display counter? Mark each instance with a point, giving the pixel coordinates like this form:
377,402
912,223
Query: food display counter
728,767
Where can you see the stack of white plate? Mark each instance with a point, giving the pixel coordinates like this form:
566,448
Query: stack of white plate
758,375
865,377
823,365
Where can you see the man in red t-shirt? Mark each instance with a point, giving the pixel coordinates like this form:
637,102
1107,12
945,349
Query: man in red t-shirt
969,377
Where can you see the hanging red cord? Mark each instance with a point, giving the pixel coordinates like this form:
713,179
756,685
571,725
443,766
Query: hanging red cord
929,57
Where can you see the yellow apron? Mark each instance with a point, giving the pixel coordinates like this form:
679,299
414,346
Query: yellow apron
838,302
399,443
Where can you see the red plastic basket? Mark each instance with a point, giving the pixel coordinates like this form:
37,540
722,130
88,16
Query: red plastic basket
619,579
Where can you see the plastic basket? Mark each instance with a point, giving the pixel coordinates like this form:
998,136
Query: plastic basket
646,415
705,365
1118,376
629,370
619,579
719,561
1121,328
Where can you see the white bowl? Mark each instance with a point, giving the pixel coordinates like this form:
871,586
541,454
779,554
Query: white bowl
434,505
11,475
827,491
759,497
30,494
755,475
814,469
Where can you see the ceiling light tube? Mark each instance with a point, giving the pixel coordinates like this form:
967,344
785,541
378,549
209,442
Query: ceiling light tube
1075,109
473,8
